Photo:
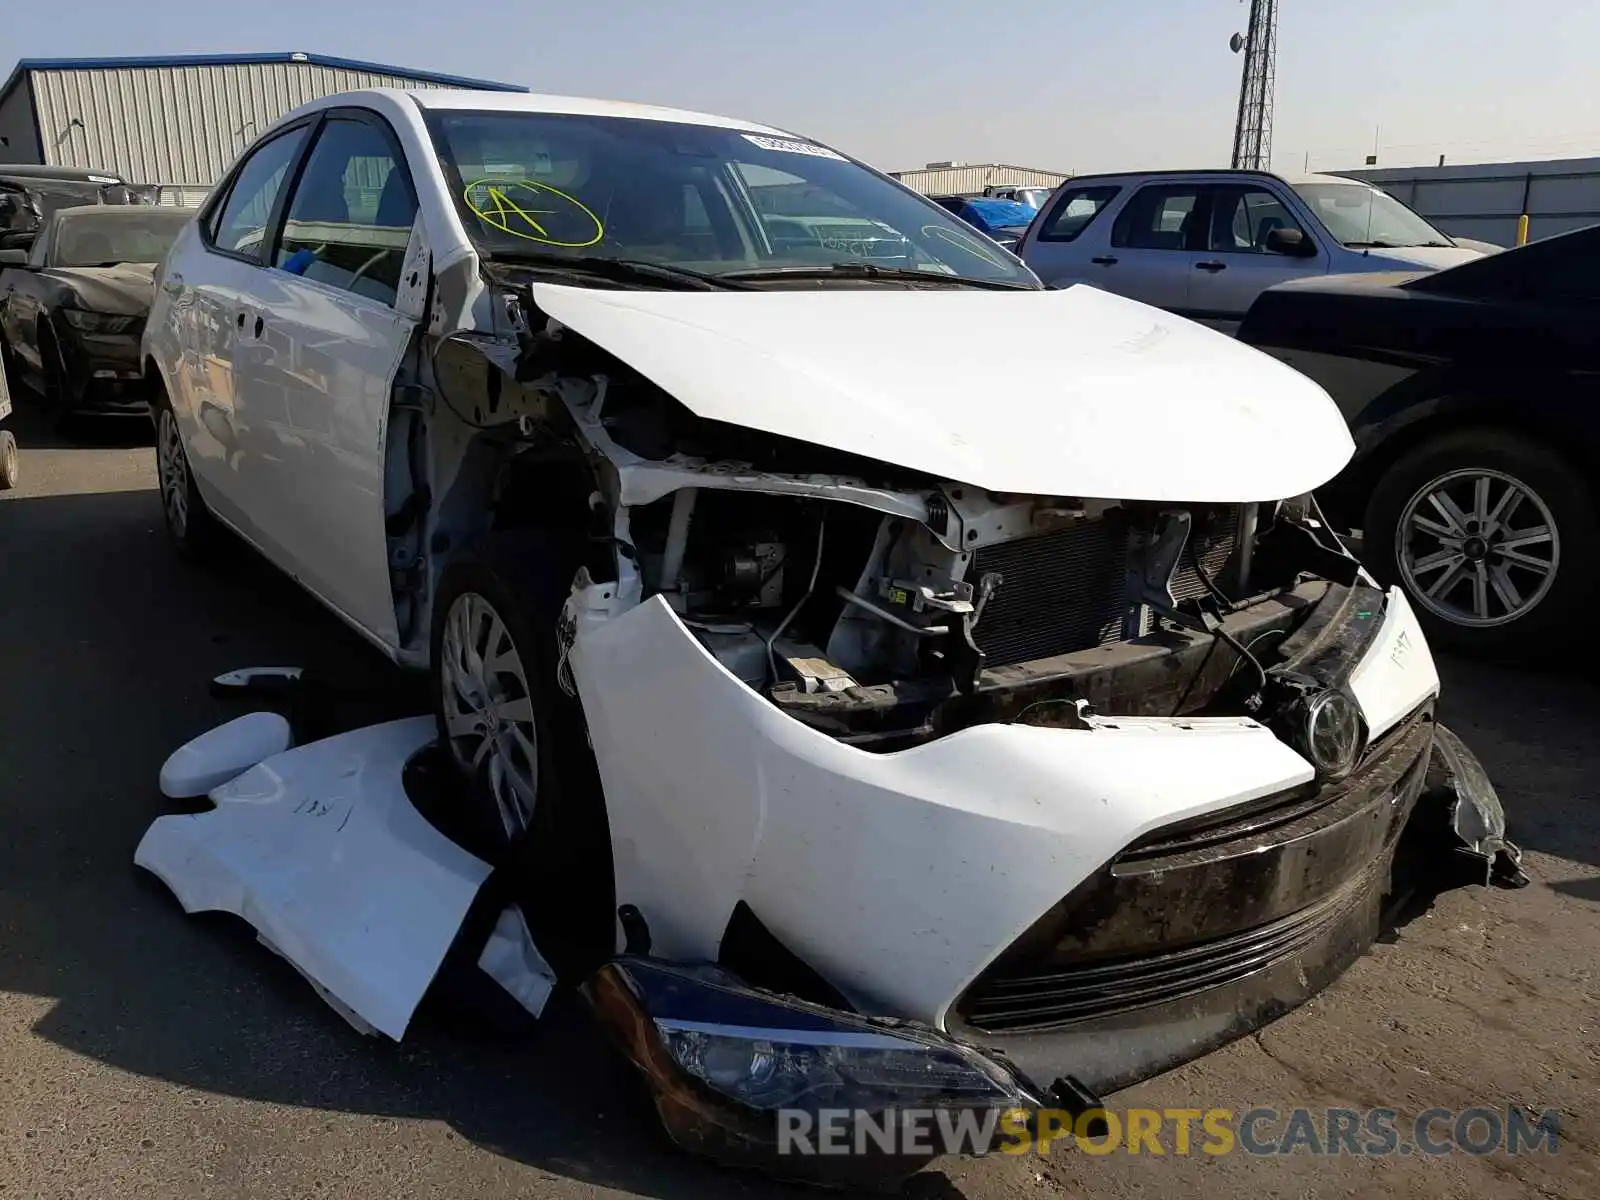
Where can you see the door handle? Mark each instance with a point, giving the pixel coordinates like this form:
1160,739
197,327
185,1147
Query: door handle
1104,260
1211,266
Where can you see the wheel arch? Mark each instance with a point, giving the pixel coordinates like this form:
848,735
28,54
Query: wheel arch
1396,423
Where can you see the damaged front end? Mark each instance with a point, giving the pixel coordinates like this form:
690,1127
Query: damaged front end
934,795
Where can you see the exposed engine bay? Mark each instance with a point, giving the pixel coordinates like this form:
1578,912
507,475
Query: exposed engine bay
862,599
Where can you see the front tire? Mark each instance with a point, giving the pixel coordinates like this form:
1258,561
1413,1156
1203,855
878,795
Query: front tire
530,792
10,467
1492,535
190,525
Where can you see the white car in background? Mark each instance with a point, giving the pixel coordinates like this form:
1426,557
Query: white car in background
1205,244
775,616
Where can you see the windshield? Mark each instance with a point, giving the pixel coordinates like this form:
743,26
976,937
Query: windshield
1358,215
119,235
693,197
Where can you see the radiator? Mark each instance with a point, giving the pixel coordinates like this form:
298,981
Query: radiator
1063,591
1071,590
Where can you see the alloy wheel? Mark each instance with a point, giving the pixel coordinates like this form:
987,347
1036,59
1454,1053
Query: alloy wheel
172,470
1478,547
488,708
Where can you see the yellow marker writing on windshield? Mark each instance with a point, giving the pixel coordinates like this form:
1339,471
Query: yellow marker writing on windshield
491,201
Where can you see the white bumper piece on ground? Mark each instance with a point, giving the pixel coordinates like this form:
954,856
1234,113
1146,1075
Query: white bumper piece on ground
320,850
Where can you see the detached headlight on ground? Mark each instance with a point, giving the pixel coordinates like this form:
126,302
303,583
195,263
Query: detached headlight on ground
732,1069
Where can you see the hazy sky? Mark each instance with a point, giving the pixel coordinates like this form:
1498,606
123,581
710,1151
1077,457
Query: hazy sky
1065,84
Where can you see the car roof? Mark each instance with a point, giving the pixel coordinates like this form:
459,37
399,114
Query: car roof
445,99
119,212
1219,173
68,174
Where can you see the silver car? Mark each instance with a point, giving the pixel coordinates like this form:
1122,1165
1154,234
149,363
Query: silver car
1205,244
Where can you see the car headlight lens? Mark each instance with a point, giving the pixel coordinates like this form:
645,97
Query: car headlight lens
93,322
724,1061
1333,734
844,1067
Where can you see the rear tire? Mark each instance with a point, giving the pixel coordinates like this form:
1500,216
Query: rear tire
190,525
531,801
1492,535
10,467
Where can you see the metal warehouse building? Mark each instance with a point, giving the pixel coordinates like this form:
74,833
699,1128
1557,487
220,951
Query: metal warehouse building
962,179
176,121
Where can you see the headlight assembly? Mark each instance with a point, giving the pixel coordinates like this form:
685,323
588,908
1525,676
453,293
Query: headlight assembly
1326,728
93,322
732,1069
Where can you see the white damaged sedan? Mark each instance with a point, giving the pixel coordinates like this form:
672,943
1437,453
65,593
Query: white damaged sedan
941,687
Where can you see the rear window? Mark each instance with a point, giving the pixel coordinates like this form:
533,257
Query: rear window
1074,211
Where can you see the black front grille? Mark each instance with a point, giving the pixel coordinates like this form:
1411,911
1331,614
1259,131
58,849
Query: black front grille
1199,905
1031,1002
1062,592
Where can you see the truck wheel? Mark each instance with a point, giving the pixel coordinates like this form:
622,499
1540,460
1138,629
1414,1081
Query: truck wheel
1493,536
189,522
530,791
10,469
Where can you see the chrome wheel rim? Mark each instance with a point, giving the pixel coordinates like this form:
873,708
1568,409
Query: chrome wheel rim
488,708
1478,548
173,472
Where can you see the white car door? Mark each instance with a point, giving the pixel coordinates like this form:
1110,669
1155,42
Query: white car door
205,285
317,352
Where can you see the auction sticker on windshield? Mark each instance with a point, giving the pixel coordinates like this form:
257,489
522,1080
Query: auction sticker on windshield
534,211
789,146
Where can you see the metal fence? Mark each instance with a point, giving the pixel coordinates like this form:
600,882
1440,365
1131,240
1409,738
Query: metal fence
1488,200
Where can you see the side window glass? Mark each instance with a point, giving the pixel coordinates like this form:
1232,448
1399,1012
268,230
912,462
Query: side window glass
1159,217
1243,219
1074,212
350,218
241,225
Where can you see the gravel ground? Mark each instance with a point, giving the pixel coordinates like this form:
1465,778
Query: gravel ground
144,1053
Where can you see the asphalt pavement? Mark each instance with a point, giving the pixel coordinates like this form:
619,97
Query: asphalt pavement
146,1053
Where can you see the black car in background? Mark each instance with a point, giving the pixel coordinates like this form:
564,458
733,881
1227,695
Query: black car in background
1474,398
72,305
30,194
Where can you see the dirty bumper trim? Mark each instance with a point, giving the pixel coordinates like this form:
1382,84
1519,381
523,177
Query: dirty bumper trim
1271,919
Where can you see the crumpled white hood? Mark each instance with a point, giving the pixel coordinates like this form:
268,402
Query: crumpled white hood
1075,392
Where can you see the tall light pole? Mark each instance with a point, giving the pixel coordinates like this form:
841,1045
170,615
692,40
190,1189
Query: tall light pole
1258,82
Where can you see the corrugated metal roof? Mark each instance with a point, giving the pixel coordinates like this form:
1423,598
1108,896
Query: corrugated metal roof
183,121
221,60
970,180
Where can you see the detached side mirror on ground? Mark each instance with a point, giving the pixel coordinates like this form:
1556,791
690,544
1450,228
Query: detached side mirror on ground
1291,242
